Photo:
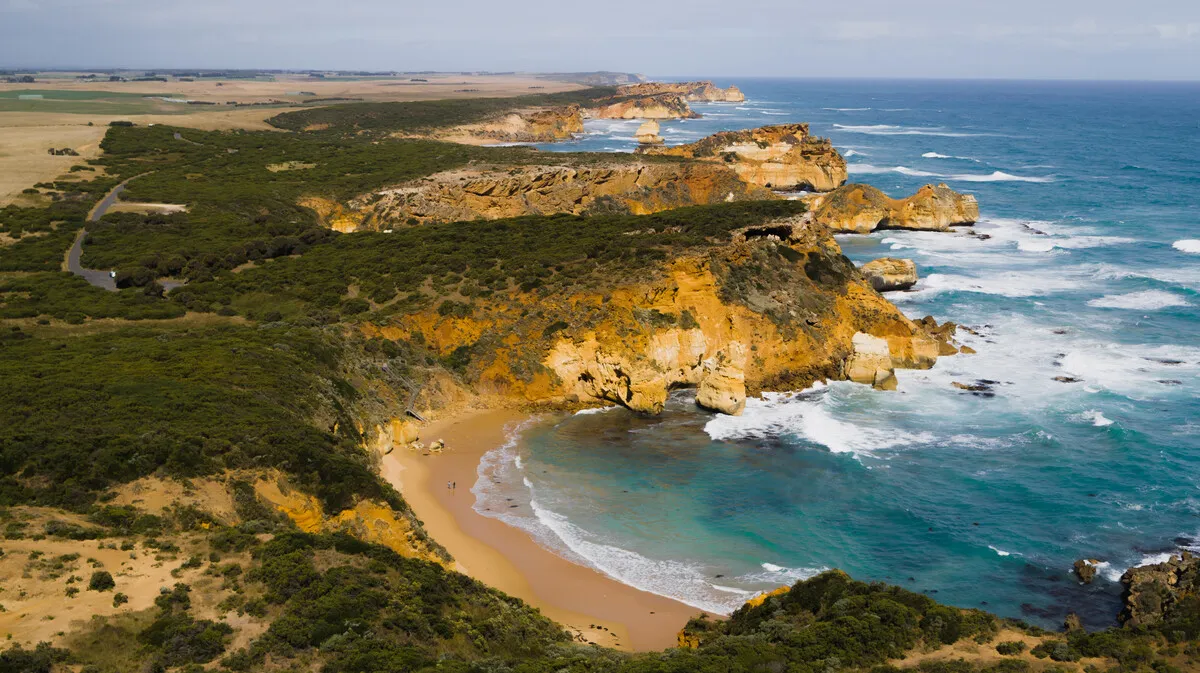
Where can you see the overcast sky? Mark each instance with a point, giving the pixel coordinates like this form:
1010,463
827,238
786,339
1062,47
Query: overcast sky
1108,39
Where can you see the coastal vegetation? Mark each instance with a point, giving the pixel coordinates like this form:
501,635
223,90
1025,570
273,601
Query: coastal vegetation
262,370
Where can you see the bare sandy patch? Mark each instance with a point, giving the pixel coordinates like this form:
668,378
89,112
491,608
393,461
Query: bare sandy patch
24,160
147,208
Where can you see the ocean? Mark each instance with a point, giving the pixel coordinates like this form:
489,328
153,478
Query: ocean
1089,271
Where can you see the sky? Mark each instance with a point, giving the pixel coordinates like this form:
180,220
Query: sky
1084,39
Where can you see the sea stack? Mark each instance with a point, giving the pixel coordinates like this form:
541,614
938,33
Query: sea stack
647,133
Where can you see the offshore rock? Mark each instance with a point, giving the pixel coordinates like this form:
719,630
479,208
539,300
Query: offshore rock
871,363
647,133
1156,593
1085,570
889,274
782,157
505,191
695,92
860,209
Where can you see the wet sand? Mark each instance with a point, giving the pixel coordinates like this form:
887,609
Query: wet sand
507,558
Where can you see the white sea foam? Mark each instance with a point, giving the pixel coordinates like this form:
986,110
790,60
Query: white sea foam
851,153
1001,552
995,176
596,410
935,155
891,130
1097,418
1187,245
1146,300
846,109
807,416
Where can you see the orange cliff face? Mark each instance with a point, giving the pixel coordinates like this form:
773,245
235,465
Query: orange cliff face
695,92
484,192
535,125
778,308
661,106
861,209
782,157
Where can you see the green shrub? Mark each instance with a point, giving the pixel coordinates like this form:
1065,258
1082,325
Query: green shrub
101,580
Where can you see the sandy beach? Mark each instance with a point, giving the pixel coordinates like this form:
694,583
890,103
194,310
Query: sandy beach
587,602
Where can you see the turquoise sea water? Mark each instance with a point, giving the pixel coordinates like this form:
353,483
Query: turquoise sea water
1090,269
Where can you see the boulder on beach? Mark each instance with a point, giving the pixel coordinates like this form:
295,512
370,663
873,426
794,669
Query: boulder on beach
889,274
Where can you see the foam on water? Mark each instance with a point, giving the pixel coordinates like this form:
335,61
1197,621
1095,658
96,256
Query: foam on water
1189,245
892,130
995,176
1147,300
807,416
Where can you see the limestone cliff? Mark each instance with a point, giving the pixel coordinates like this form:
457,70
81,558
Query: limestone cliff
695,92
647,133
535,125
889,273
663,106
860,209
493,192
781,157
776,308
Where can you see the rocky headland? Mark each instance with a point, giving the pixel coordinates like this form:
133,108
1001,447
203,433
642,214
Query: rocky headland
491,192
777,307
695,92
535,125
861,209
661,106
782,157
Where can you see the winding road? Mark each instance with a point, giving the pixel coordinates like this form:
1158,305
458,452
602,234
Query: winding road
97,277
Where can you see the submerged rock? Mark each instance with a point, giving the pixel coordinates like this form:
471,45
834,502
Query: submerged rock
889,274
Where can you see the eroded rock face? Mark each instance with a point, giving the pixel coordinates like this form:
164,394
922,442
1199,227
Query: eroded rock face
871,363
663,106
647,133
691,91
777,308
723,387
861,209
495,192
536,125
889,274
1153,593
783,157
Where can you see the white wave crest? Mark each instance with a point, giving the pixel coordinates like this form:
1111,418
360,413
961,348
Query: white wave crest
995,176
1097,418
891,130
1190,245
1147,300
596,410
846,109
779,414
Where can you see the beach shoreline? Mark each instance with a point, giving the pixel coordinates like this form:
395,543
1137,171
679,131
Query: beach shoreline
597,608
